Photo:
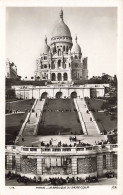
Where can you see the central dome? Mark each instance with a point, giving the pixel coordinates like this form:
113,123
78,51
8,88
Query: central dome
61,29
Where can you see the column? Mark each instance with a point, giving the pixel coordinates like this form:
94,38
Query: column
56,76
18,163
39,166
109,161
9,162
99,165
74,165
62,76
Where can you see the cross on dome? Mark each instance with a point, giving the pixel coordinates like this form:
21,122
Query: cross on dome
61,14
76,38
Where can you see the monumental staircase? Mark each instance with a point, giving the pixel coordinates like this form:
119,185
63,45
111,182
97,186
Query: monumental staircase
33,119
87,117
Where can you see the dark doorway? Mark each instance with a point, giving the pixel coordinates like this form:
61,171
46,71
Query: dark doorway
74,95
44,95
59,95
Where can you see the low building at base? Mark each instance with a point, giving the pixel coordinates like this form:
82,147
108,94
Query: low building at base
61,161
59,90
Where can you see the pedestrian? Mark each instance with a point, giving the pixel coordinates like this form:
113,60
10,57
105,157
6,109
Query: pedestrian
36,114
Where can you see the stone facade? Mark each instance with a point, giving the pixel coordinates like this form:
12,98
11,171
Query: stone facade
87,165
61,61
11,70
75,162
28,165
51,91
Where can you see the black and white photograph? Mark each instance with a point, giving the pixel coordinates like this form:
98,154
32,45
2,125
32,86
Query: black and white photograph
61,96
61,108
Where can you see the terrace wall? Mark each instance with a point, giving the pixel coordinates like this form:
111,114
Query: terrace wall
29,92
76,162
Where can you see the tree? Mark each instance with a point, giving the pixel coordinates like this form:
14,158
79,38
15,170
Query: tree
10,93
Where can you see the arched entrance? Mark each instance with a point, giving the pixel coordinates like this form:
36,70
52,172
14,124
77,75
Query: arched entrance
65,76
59,94
44,95
59,77
74,95
53,77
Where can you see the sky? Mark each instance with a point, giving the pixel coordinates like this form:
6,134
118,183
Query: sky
95,27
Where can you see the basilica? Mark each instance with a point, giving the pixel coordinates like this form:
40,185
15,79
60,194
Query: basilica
62,60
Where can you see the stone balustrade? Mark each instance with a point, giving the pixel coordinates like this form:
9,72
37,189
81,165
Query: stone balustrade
63,150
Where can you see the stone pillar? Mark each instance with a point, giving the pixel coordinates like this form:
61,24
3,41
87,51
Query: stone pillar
109,162
56,76
62,76
99,165
18,163
39,166
74,165
9,162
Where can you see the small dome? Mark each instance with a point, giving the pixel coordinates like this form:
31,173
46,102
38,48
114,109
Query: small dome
45,48
76,48
61,29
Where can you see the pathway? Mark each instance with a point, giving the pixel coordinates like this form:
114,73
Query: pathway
31,125
91,126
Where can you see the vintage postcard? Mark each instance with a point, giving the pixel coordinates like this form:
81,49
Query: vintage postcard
61,71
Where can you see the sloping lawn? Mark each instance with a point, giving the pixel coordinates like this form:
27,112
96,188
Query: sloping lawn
15,121
21,105
13,125
103,119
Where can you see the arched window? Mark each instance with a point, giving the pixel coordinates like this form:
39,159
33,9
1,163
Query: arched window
75,56
45,57
59,52
53,65
53,77
59,63
54,49
65,77
59,76
64,48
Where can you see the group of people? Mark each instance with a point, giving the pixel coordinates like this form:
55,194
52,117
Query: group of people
61,110
102,142
11,111
50,180
77,143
